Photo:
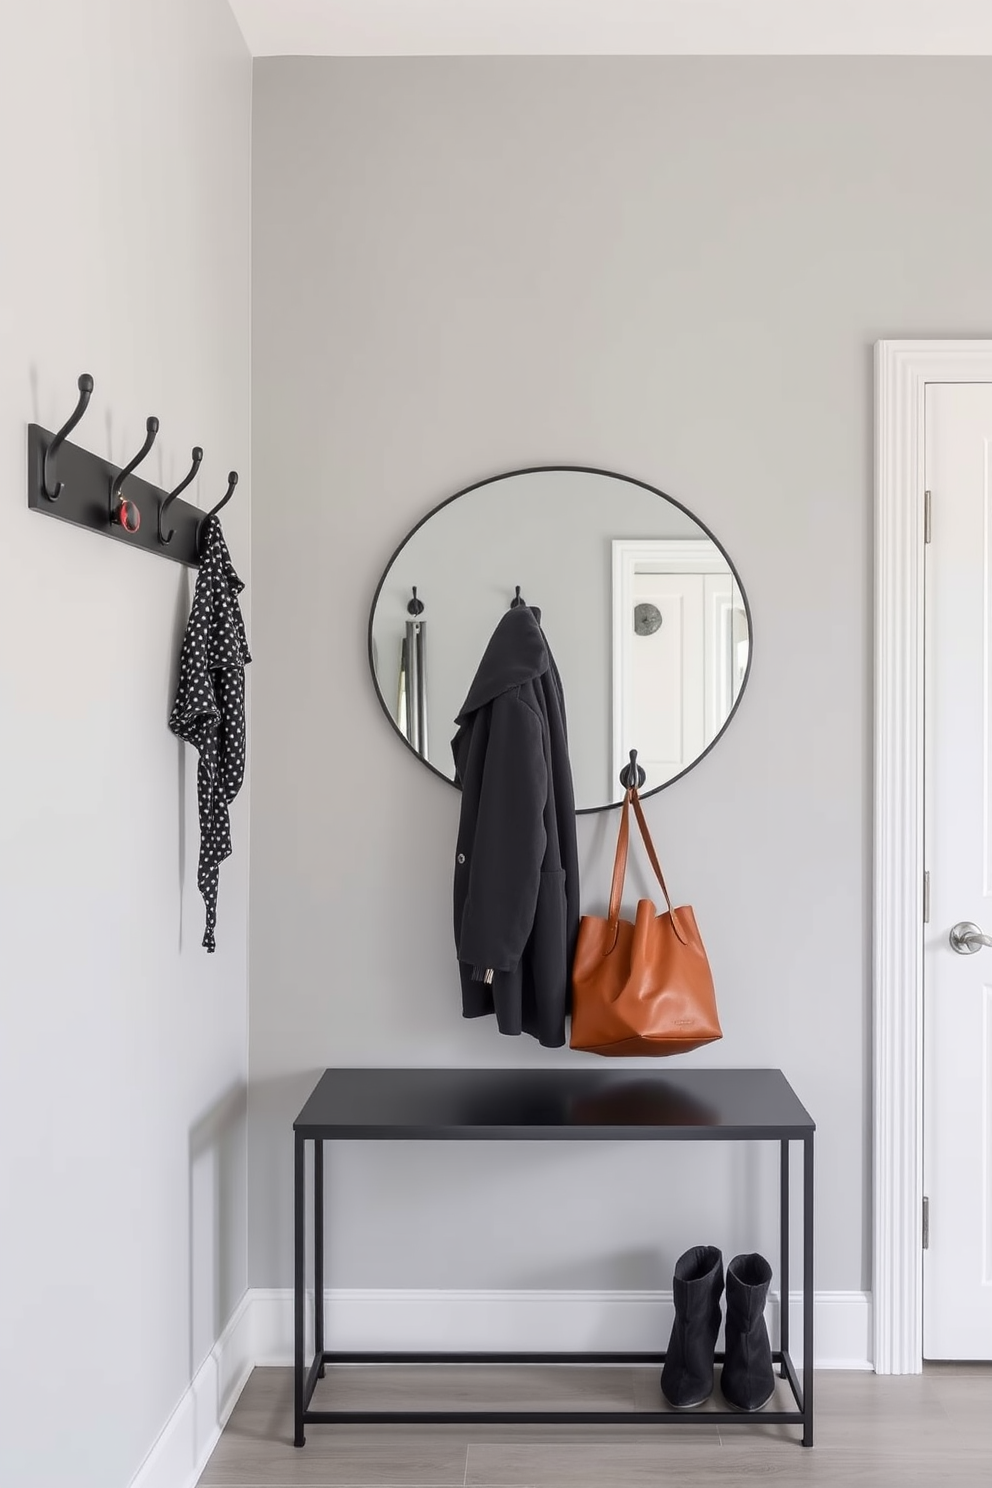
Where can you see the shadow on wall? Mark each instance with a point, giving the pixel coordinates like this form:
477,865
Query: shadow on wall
216,1217
273,1107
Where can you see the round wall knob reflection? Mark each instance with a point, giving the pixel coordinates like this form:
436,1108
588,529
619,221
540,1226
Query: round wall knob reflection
647,619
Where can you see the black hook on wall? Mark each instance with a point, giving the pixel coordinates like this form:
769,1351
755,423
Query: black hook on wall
121,509
517,600
232,481
632,774
416,606
52,487
166,537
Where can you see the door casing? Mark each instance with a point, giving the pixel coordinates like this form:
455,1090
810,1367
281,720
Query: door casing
902,371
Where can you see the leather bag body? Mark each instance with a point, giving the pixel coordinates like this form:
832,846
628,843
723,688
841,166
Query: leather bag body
643,987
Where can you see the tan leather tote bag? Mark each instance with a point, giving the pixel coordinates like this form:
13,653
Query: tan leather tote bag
646,987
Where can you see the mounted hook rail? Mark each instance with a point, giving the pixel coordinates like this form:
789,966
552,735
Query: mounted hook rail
80,487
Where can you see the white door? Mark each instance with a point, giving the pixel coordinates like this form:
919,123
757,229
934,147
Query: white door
957,1266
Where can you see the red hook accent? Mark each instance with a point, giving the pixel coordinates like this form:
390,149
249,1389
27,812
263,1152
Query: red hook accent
128,515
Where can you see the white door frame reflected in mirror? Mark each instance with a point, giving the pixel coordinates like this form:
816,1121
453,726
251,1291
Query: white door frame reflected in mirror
674,688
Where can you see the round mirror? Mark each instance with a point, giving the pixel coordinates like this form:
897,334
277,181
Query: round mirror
642,609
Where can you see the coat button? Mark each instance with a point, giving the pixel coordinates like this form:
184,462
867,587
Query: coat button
461,857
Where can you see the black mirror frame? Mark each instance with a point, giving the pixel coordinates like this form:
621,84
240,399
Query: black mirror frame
578,470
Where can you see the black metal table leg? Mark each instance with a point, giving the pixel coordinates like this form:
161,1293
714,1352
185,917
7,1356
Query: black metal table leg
784,1257
299,1283
318,1254
808,1298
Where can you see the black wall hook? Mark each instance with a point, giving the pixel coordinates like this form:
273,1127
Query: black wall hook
232,481
52,487
151,429
632,774
416,606
166,537
517,601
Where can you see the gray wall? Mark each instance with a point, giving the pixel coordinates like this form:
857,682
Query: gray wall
674,268
124,179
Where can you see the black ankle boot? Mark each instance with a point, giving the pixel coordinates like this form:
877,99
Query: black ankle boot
748,1378
687,1378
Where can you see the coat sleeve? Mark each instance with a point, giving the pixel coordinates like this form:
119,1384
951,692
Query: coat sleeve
510,839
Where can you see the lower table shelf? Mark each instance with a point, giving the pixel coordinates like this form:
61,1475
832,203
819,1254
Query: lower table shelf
579,1416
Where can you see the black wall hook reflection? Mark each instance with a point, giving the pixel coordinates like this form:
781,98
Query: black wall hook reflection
632,774
416,606
166,537
52,487
517,600
232,481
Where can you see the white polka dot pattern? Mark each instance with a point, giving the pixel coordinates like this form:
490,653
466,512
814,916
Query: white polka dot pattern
209,711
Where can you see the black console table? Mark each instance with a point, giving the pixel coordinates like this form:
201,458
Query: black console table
549,1105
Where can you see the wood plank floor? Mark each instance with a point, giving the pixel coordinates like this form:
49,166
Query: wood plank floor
933,1429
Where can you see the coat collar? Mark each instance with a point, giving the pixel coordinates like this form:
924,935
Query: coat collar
517,653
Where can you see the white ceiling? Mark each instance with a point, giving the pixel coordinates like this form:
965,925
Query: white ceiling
370,28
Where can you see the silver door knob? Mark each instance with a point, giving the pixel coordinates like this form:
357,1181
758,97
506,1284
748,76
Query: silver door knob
966,938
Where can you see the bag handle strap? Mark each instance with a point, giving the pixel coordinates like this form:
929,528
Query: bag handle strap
620,862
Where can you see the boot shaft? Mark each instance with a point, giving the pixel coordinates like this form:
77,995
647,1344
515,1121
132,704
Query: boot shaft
697,1285
748,1280
748,1376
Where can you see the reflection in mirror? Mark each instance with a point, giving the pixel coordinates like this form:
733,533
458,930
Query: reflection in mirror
679,651
642,609
411,700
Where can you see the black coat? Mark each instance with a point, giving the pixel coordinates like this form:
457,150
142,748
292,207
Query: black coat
516,895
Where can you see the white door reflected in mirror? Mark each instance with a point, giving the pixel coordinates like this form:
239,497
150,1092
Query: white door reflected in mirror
680,651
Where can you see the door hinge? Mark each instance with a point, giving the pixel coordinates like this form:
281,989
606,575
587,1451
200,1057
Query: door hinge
926,897
926,1224
927,517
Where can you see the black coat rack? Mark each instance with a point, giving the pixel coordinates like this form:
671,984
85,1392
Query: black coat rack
77,486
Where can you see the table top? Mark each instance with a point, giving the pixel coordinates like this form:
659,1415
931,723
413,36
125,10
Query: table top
553,1105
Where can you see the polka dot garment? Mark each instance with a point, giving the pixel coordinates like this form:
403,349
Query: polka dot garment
209,711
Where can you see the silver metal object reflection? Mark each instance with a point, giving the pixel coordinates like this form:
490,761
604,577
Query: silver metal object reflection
966,938
414,668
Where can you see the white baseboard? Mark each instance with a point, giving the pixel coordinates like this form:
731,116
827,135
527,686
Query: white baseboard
189,1436
548,1321
261,1333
